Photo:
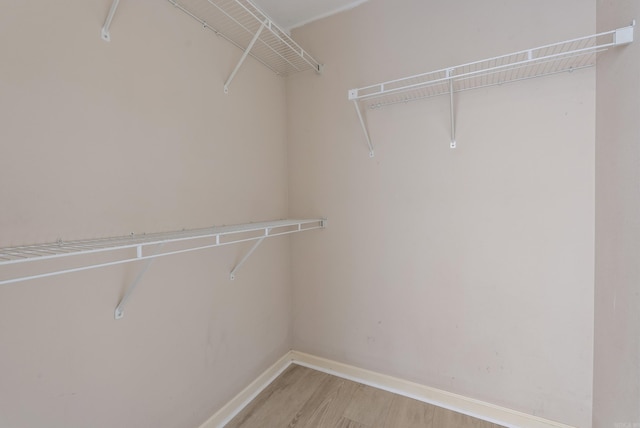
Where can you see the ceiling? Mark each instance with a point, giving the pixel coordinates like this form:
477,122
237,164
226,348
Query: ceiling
289,14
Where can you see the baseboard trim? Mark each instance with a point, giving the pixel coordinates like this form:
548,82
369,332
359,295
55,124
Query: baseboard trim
469,406
237,403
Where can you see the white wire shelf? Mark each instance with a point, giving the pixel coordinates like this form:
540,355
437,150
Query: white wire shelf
545,60
243,24
126,249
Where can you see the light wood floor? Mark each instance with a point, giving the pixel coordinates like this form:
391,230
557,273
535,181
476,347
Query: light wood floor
302,397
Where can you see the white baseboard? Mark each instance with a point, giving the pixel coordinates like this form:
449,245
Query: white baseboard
237,403
468,406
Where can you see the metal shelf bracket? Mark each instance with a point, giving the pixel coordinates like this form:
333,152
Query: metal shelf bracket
624,35
119,311
353,95
232,275
453,114
244,55
106,36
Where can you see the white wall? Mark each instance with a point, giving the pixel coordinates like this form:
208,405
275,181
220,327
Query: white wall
617,314
469,270
100,139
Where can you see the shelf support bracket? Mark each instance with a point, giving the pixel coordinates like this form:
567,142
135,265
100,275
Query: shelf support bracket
352,96
106,36
119,312
244,56
232,275
452,112
624,35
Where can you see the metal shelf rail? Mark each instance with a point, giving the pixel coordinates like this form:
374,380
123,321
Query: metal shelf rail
147,247
245,26
545,60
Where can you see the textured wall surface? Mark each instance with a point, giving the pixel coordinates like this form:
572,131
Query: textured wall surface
469,270
101,139
617,297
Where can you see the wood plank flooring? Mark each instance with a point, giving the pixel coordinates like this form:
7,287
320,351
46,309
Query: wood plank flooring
305,398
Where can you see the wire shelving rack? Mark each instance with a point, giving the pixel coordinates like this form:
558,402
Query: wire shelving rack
566,56
145,247
244,25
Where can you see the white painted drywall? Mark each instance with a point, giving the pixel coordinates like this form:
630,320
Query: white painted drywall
468,270
617,279
100,139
